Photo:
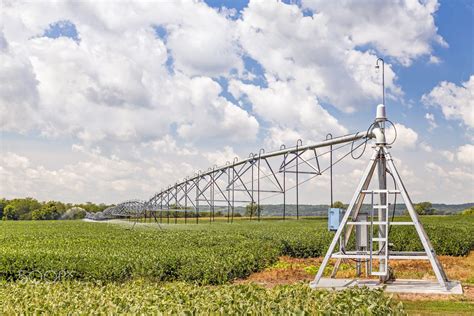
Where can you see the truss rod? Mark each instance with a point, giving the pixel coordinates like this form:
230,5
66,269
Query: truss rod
292,150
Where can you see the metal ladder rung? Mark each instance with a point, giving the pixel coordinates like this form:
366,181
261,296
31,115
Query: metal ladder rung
356,256
380,206
402,223
379,239
378,273
367,223
381,191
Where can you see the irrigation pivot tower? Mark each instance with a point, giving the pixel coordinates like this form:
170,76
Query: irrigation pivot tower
372,230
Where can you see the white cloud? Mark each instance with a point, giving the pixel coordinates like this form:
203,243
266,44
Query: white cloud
305,52
408,26
434,60
18,91
465,154
435,168
278,136
456,102
144,110
426,147
114,84
168,145
221,157
431,121
406,137
287,106
447,154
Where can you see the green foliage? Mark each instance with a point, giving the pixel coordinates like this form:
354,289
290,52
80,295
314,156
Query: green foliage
10,213
149,298
49,211
339,204
113,252
468,211
423,208
74,213
205,254
29,208
252,209
24,207
3,204
92,208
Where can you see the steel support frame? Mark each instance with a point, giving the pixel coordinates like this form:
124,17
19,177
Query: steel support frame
353,210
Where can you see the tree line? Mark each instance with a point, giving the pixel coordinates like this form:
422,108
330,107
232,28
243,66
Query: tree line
32,209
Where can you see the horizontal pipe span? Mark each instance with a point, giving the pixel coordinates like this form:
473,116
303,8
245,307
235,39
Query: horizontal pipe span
325,143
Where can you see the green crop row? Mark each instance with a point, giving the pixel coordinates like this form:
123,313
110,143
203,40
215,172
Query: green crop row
144,297
205,254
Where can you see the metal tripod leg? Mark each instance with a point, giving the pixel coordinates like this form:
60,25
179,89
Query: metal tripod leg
348,231
430,252
367,174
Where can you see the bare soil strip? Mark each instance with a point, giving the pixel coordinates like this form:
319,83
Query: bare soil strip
290,270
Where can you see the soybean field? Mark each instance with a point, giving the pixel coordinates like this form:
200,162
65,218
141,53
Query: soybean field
78,260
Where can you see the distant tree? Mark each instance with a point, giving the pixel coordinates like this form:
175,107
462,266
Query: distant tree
50,210
74,213
468,211
338,204
423,208
252,209
91,207
10,213
3,204
24,207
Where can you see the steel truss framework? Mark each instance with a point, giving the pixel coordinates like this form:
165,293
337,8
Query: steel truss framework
247,181
381,162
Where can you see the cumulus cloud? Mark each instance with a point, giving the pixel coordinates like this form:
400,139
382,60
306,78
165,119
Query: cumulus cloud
221,157
447,154
410,24
286,106
304,51
431,121
406,137
143,89
456,102
114,83
465,154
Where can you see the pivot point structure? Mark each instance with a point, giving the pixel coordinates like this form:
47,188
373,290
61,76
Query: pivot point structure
372,251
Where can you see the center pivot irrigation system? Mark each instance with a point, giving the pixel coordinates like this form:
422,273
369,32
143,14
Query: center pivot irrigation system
268,175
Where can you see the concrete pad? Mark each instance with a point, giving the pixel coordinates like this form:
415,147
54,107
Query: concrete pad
396,286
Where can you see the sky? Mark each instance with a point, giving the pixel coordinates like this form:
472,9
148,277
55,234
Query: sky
106,101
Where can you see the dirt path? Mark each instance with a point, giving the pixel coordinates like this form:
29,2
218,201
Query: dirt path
290,270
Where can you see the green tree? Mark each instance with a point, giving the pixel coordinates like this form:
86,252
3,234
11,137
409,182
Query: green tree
423,208
468,211
74,213
338,204
3,204
10,213
252,209
25,206
49,211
